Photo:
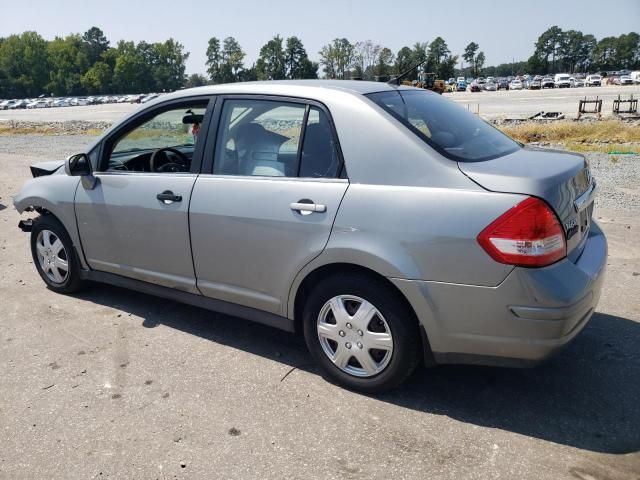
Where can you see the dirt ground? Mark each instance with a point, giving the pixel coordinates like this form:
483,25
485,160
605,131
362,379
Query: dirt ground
113,383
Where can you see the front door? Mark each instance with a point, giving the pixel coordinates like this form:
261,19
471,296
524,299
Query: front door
268,205
134,222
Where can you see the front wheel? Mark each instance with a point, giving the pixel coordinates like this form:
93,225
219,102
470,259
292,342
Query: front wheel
361,332
54,255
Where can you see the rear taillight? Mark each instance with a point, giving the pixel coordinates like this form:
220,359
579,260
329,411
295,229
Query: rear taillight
528,235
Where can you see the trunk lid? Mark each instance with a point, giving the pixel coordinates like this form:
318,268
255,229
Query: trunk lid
560,178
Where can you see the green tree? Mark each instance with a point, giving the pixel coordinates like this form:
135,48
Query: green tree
168,65
248,74
297,63
479,63
98,78
438,50
365,59
214,60
404,60
550,44
196,80
96,44
628,50
585,59
447,67
470,56
337,58
131,71
68,61
419,52
23,65
606,53
271,62
232,60
384,62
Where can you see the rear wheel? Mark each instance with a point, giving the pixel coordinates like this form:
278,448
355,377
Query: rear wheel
54,255
361,333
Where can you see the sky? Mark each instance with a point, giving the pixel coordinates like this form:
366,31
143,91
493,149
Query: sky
504,29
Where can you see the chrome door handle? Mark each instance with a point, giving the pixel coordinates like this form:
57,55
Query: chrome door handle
308,207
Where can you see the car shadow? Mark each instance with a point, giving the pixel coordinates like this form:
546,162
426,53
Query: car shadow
585,397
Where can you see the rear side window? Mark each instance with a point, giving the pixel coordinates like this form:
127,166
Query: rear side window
448,128
269,138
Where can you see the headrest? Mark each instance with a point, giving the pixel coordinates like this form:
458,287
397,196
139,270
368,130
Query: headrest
191,119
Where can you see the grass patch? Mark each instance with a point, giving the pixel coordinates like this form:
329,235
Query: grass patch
7,129
571,132
617,148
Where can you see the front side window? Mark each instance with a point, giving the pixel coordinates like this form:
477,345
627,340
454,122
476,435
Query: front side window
164,143
448,128
270,138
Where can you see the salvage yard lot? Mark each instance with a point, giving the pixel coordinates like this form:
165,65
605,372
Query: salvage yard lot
493,105
113,383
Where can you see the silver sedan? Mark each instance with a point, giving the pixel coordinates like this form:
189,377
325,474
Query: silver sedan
386,224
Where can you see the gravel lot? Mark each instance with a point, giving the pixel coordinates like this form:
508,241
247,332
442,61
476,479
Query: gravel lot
112,383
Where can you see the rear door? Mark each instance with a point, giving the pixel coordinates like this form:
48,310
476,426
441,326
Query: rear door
267,205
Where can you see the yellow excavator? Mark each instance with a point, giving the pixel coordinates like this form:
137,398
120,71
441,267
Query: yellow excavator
425,80
428,81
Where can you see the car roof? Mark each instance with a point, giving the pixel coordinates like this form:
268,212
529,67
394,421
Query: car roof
293,87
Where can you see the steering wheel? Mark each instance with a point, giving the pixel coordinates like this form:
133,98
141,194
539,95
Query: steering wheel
169,166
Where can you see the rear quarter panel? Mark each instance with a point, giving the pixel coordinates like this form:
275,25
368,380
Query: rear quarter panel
419,233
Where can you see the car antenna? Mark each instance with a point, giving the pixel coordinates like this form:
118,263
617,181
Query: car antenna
396,80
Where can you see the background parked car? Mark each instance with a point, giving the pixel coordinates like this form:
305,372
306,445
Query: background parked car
503,83
516,85
490,87
561,80
535,85
593,81
547,82
475,86
60,102
19,104
576,82
6,104
624,80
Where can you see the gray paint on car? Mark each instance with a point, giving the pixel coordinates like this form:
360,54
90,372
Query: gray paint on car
406,212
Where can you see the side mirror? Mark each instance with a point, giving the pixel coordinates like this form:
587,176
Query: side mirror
78,165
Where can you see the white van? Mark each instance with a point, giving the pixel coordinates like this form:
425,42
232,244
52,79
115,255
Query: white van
635,76
561,80
593,81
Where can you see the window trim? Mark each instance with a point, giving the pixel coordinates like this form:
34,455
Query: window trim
137,119
214,130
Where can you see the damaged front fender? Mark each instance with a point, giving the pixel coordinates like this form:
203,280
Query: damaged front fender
54,195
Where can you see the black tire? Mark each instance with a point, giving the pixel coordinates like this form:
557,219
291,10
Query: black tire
399,317
72,281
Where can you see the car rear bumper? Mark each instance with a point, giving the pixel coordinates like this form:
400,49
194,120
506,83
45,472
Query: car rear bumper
531,315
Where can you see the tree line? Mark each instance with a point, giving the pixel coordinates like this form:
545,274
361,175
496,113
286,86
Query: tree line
572,51
79,64
89,64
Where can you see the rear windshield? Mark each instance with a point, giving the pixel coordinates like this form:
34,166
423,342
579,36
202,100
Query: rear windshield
448,128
